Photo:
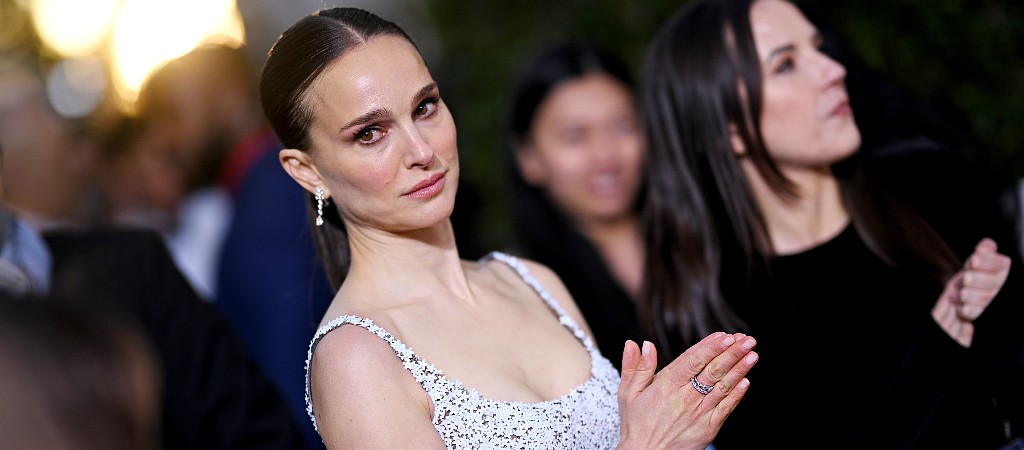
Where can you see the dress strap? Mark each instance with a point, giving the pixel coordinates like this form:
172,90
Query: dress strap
426,374
549,300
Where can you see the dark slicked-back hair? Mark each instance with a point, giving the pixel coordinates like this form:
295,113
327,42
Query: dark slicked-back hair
300,55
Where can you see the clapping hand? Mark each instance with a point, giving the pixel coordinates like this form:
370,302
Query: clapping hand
685,404
970,291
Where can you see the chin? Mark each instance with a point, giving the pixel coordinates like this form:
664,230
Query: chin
447,209
849,142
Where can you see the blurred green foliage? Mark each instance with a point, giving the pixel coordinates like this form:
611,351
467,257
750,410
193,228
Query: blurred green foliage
968,53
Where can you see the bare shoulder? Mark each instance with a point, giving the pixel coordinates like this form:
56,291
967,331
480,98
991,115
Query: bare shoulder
349,349
363,395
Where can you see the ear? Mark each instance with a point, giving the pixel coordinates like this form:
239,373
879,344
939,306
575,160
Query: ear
736,142
530,165
299,166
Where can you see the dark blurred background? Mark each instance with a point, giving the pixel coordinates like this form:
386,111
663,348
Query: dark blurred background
963,55
966,57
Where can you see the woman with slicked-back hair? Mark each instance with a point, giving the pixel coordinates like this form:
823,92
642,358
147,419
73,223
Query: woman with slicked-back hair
420,348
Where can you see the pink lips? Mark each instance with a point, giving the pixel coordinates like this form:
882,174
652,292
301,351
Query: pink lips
841,110
427,188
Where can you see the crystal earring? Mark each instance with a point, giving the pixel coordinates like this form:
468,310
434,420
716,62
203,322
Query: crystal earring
319,206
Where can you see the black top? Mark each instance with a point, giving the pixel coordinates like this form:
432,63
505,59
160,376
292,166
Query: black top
850,357
215,397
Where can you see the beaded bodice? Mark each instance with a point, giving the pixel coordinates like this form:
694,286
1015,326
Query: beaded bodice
585,418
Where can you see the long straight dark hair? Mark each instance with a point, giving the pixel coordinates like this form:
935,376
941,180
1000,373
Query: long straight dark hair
701,76
541,227
298,58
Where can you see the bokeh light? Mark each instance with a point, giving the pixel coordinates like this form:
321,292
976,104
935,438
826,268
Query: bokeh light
73,28
148,33
75,87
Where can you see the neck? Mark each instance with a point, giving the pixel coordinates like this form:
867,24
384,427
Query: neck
418,264
815,215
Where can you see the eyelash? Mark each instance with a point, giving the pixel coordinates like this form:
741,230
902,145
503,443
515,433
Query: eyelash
789,63
785,66
374,131
430,103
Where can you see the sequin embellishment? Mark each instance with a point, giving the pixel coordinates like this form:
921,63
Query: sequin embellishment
585,418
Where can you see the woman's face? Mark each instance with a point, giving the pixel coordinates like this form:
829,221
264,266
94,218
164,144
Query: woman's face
806,120
585,148
382,140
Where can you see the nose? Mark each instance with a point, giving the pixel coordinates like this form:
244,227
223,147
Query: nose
419,153
604,148
832,71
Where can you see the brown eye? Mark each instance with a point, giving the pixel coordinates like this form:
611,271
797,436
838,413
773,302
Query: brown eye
368,135
426,108
785,66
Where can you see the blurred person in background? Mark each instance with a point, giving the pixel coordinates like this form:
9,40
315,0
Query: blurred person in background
214,394
270,282
574,161
51,161
200,165
199,129
72,378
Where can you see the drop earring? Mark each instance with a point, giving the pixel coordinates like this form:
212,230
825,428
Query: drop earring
319,206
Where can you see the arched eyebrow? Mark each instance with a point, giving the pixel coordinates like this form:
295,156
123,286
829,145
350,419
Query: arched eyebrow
367,118
816,40
777,51
379,113
425,91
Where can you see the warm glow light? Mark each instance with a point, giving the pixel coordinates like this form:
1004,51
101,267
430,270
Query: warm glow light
73,28
149,33
230,30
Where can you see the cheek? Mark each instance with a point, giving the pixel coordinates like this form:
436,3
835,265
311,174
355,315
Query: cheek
634,153
360,179
444,139
448,149
786,125
566,167
569,179
376,173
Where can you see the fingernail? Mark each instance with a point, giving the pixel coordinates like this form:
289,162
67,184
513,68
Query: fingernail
750,359
729,340
647,348
748,344
743,384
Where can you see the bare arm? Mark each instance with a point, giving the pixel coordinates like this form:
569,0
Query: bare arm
364,398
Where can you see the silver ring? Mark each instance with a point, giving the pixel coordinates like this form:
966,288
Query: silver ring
700,387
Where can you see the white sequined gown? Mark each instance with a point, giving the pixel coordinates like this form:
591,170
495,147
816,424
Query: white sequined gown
585,418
